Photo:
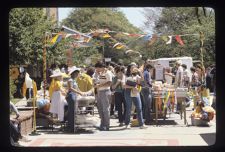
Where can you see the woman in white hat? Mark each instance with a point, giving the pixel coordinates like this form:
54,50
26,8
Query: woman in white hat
73,92
57,97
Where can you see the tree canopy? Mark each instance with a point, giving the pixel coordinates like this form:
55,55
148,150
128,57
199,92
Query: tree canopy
183,20
27,27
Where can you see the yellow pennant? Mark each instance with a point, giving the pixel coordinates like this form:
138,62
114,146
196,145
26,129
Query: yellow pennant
106,35
54,39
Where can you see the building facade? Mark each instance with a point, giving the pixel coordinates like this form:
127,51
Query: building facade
52,12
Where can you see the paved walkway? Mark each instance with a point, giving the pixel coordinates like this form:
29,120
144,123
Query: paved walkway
171,132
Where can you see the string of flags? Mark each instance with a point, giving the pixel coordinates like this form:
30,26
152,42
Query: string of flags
84,39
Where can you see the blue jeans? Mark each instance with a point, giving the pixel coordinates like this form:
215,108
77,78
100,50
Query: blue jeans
146,92
120,103
72,111
137,103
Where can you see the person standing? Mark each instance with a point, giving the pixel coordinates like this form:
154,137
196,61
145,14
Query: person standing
168,76
194,84
146,92
29,87
71,97
200,70
194,78
104,78
119,94
179,74
57,97
132,94
186,76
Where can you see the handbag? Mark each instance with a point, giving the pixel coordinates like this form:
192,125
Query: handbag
131,83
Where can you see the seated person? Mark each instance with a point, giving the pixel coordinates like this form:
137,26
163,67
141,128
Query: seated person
15,134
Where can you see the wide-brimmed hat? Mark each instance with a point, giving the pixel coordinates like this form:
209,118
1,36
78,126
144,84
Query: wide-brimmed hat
135,70
56,73
133,64
72,69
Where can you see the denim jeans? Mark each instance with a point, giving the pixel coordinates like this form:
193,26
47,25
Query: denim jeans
72,111
146,92
137,103
120,103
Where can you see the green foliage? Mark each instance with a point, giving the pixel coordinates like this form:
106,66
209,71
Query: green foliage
27,27
185,20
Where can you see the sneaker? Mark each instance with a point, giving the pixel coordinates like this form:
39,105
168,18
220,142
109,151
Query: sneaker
127,127
143,127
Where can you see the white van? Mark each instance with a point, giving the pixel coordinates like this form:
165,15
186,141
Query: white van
166,62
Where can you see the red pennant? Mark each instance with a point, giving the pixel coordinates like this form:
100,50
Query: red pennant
178,38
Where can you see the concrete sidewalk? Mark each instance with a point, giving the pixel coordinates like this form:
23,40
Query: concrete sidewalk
169,132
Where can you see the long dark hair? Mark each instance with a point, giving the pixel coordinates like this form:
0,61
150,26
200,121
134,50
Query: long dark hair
128,73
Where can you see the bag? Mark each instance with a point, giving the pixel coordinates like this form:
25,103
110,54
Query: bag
131,83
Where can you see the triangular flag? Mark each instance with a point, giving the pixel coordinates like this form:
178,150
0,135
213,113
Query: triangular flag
178,38
131,52
135,35
106,35
170,40
125,33
54,39
87,39
165,38
68,35
59,38
147,37
118,46
153,39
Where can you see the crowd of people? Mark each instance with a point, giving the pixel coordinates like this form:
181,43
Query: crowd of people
116,87
120,91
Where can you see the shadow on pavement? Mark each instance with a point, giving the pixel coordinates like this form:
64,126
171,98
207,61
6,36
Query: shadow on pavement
163,122
209,138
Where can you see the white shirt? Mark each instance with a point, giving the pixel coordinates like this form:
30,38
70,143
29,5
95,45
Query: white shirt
179,71
168,79
134,92
159,72
103,78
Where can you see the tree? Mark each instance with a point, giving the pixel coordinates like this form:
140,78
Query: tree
86,19
27,27
188,20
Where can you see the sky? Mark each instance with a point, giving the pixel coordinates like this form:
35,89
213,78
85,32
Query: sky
134,15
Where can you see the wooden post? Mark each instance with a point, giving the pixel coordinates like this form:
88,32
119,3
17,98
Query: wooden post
44,65
201,52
